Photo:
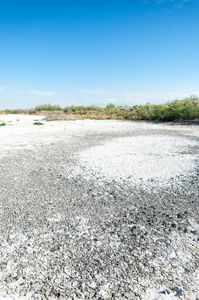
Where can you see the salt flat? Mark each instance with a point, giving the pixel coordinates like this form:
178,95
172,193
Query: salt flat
98,209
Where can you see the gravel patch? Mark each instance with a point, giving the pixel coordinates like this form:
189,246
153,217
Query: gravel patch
98,210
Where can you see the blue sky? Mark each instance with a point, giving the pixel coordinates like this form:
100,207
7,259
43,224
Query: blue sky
85,52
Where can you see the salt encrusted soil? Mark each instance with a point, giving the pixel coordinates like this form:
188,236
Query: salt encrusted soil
98,210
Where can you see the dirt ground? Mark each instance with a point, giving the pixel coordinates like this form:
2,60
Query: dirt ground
98,209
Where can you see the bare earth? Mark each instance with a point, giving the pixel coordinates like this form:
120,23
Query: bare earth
98,210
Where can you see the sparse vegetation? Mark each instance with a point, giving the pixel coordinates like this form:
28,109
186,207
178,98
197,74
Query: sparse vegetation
187,109
47,107
13,111
38,123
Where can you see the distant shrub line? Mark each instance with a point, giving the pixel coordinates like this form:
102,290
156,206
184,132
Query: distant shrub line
187,109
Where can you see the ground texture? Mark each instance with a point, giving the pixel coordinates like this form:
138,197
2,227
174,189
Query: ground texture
98,210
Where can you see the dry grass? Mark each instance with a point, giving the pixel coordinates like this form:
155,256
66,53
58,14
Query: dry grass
61,116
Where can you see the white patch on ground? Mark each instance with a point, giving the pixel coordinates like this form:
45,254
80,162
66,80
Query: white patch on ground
151,294
138,159
12,297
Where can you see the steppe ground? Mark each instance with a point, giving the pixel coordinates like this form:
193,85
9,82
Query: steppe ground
96,209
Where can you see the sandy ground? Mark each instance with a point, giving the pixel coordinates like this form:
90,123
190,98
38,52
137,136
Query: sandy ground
122,196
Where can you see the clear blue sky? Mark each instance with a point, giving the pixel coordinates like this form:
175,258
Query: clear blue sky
95,52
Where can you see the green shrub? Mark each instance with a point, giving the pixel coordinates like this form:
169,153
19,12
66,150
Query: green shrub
144,112
47,107
158,112
127,117
3,124
38,123
110,106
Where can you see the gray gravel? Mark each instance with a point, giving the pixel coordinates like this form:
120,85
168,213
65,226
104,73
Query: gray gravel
99,210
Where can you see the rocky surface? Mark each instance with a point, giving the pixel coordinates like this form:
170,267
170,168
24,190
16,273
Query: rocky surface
78,221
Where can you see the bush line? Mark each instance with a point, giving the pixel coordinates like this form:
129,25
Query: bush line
187,109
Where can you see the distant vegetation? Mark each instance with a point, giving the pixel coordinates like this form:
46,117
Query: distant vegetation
187,109
48,107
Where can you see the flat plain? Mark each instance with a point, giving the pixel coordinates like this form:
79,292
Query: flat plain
98,209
